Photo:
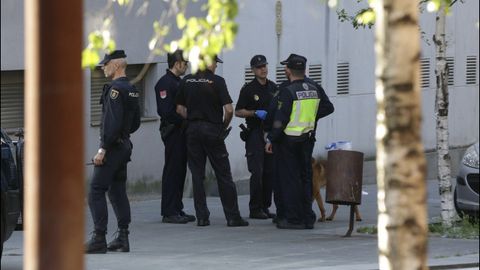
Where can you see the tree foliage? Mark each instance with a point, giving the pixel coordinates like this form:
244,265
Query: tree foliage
366,17
201,36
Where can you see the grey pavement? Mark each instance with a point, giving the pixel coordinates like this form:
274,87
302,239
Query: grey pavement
155,245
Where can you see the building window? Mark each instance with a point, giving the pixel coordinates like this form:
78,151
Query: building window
343,78
98,80
12,97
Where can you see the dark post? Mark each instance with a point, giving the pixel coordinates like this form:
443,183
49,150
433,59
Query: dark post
54,172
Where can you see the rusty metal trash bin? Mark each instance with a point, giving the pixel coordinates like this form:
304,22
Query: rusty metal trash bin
344,180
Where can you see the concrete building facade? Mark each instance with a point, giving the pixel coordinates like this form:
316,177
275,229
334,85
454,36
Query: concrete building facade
340,57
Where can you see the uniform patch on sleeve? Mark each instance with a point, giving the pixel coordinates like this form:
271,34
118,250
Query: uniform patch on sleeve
256,97
114,94
163,94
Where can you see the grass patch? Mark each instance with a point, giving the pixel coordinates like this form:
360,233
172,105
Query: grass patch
465,228
368,230
144,187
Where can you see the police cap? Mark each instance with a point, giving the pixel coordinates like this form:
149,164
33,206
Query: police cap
295,61
258,60
113,55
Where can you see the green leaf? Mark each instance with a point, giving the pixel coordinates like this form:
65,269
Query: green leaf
366,17
181,21
96,40
90,58
111,45
122,2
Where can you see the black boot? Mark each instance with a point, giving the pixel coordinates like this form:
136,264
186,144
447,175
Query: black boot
120,243
97,244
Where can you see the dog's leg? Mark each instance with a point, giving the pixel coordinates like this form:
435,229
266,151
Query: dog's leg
321,207
318,198
334,211
357,214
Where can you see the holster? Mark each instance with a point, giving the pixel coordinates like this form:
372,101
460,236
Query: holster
224,133
166,130
244,133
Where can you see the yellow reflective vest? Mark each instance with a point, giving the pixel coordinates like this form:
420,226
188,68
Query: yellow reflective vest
304,109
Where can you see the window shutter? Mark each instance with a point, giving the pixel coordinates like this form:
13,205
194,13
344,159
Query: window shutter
12,98
343,78
315,73
451,70
471,70
425,72
280,75
249,74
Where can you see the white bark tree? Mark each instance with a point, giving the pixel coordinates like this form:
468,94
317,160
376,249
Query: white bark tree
401,165
366,17
441,112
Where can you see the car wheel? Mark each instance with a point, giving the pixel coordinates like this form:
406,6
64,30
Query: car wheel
455,203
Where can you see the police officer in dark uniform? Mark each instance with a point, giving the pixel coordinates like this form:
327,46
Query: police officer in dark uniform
268,123
120,118
252,105
300,104
204,100
172,131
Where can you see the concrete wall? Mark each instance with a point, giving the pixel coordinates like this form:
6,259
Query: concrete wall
309,28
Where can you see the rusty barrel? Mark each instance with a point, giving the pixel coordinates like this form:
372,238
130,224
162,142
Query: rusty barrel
344,177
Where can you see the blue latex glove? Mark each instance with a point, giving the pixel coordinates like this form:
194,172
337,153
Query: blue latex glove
262,114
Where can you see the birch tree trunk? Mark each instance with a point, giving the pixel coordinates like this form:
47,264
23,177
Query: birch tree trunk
401,166
441,111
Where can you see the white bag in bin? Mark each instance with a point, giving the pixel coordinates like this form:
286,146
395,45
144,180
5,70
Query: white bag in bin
339,145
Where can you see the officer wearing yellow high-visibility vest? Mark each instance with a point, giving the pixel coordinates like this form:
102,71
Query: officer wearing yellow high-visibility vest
300,104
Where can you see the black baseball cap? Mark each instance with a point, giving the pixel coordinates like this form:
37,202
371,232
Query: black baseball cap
113,55
295,61
258,60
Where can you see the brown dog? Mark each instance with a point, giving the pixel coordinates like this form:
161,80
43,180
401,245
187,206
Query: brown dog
319,180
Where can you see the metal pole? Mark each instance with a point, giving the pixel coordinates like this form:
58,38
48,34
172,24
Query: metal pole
54,176
350,224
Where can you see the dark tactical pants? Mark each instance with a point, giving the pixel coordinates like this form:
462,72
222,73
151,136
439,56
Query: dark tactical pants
260,166
174,172
277,189
295,174
111,177
203,140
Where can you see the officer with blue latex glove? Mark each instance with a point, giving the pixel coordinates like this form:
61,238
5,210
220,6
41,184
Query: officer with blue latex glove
262,114
253,102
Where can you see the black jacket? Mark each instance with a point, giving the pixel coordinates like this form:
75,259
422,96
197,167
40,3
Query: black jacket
165,91
254,96
120,112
